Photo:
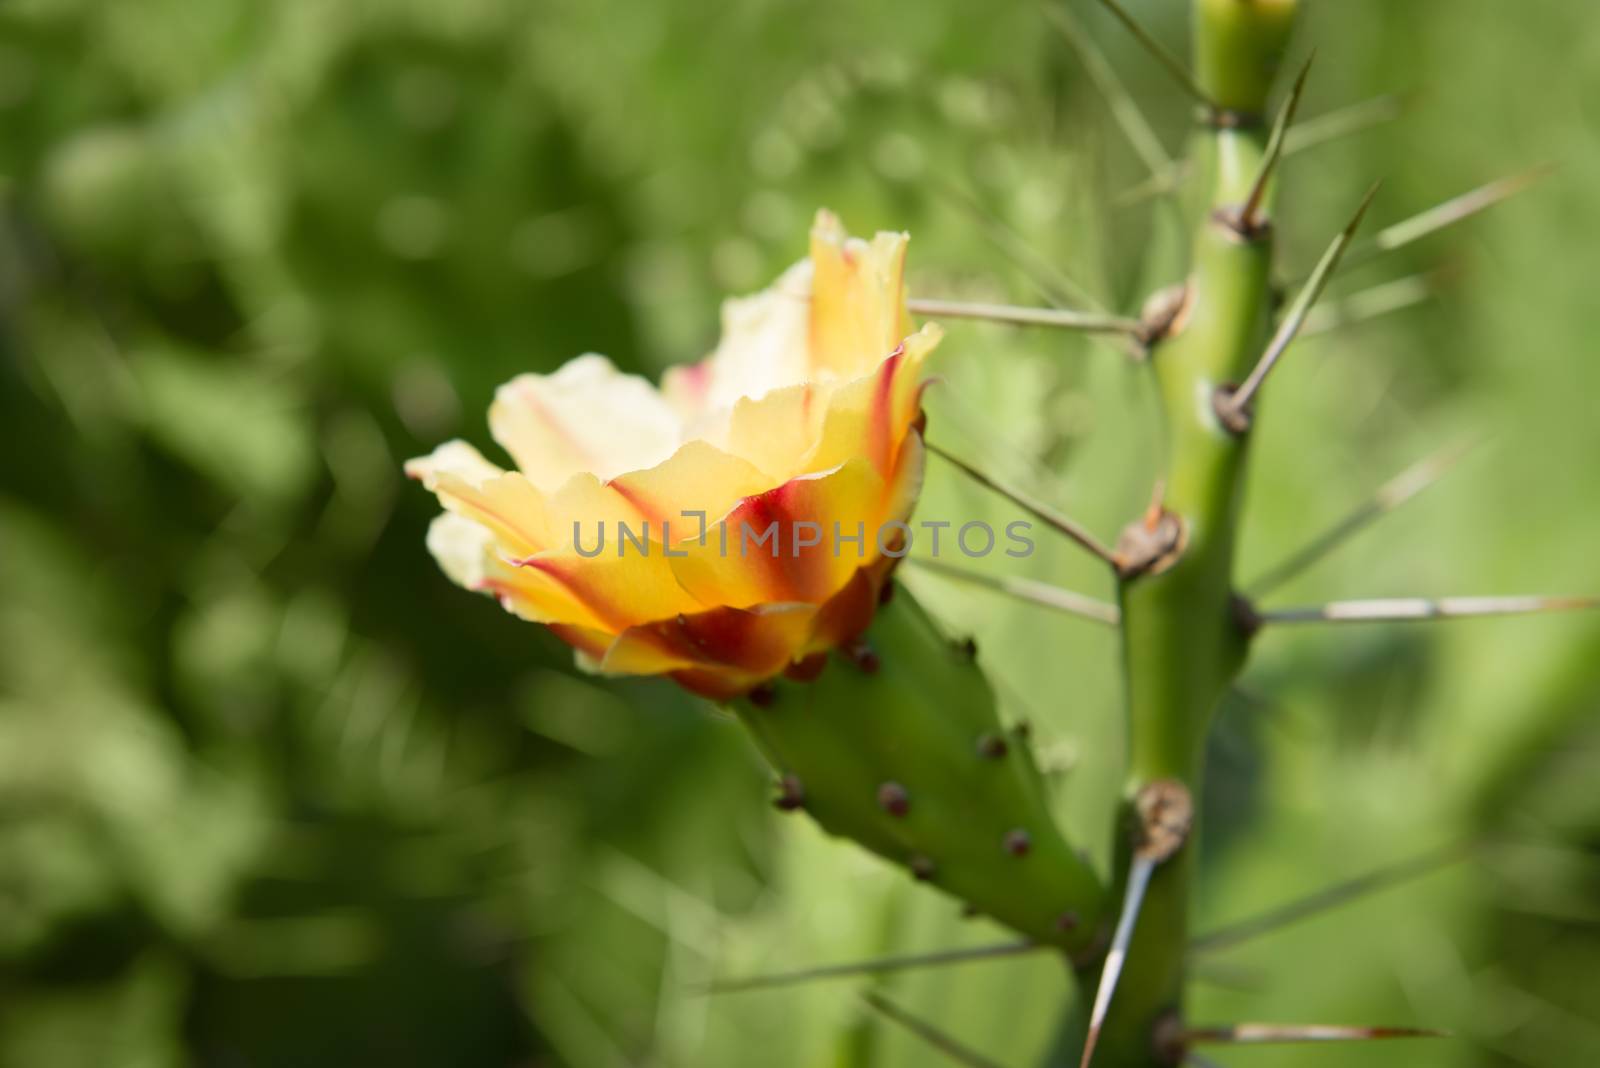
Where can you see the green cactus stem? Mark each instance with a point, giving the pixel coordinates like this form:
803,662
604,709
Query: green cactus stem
904,752
1182,641
1239,47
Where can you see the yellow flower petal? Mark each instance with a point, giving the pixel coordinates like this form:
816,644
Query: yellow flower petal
693,488
613,590
469,554
858,303
765,346
835,315
587,417
780,546
461,547
697,478
906,485
870,416
758,643
777,432
506,503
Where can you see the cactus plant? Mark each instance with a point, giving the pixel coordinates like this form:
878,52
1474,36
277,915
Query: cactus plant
894,742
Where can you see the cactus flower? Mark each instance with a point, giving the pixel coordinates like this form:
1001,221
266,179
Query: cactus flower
733,527
729,527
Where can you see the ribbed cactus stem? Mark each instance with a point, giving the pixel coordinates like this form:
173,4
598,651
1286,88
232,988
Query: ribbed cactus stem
1182,641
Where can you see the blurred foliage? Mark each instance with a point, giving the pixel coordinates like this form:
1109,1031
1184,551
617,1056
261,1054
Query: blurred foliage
273,793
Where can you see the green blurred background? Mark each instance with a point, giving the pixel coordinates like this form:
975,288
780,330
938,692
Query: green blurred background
272,793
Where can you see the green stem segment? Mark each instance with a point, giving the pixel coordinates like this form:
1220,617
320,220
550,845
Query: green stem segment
1239,46
903,752
1182,643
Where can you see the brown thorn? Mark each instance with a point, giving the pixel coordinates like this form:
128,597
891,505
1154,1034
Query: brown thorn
1229,119
975,427
1043,512
1111,971
1341,122
1151,545
807,668
1233,405
791,794
1018,842
1419,609
1054,284
992,747
1135,127
1332,897
1039,593
1154,512
1262,1034
1391,495
1375,302
1164,314
923,869
1224,976
1458,209
930,1034
1155,186
877,966
1166,814
1166,1038
894,799
1248,222
1302,137
1174,66
1013,315
1245,616
862,655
